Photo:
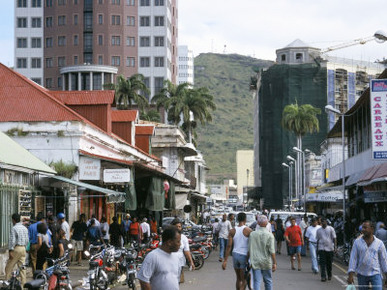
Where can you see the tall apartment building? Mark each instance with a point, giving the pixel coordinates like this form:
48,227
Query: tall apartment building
86,44
186,65
300,75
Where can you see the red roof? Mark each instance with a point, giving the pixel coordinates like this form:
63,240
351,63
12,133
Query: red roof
23,100
124,115
145,130
84,97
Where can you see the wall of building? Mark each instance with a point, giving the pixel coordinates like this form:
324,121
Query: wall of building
245,170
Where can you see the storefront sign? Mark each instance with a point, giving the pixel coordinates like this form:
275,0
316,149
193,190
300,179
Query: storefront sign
378,108
325,197
89,168
375,196
116,175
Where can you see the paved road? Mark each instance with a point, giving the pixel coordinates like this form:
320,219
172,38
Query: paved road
211,276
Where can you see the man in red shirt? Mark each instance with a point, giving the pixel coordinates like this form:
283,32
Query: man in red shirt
293,236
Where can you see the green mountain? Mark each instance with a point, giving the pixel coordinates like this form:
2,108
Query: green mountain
227,76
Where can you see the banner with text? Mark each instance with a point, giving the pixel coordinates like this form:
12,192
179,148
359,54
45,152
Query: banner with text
378,89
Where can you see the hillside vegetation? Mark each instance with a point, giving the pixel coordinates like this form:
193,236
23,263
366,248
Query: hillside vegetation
227,76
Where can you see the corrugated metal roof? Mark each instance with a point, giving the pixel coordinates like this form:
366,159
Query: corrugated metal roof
84,97
124,115
376,173
145,129
23,100
14,154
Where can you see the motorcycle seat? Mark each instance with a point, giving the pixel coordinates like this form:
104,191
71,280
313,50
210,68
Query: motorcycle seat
195,247
35,284
199,239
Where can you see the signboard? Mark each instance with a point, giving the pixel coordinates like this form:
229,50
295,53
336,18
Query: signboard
116,175
378,93
375,196
89,168
325,197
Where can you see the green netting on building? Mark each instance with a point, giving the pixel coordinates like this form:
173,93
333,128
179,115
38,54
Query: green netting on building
282,85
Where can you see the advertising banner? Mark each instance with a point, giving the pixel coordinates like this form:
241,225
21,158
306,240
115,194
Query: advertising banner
89,168
116,175
378,93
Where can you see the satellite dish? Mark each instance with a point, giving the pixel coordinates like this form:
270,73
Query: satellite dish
187,208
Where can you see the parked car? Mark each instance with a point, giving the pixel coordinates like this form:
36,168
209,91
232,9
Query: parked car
298,215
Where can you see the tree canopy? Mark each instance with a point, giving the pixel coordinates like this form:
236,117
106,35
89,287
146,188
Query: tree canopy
130,91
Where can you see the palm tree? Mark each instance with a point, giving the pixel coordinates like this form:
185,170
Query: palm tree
129,91
151,116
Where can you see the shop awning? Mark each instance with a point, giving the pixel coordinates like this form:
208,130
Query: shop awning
112,196
354,178
377,173
181,200
198,196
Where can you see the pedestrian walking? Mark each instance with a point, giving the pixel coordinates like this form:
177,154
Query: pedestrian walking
326,246
262,256
160,269
104,227
311,236
238,238
304,225
231,218
33,235
215,232
145,230
134,230
18,240
78,232
96,221
381,233
184,252
293,236
153,225
224,228
64,225
116,233
93,234
279,234
126,225
44,247
62,243
368,260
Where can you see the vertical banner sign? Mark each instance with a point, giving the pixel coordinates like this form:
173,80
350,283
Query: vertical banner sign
378,108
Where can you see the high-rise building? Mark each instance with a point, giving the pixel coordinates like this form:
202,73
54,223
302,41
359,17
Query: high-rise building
85,44
300,76
186,65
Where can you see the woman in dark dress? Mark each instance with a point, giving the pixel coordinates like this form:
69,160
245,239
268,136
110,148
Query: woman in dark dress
62,243
44,247
279,234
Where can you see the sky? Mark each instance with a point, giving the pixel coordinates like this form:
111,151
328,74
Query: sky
258,27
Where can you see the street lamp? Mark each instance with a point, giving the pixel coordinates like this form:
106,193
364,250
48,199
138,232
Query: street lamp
296,175
303,175
289,167
329,108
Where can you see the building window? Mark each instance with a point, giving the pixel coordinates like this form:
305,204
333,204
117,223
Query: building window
283,57
37,80
159,2
60,82
21,62
61,20
61,40
49,62
75,20
116,61
299,57
36,22
76,40
36,3
130,2
144,41
22,43
49,42
48,3
144,62
88,42
75,59
130,61
100,19
49,83
36,62
130,41
116,20
61,2
22,22
48,21
100,40
116,2
159,20
144,21
88,21
36,42
130,21
100,59
159,84
159,61
61,61
21,3
144,2
116,40
159,40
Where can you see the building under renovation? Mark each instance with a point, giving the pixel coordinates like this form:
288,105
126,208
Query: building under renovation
303,75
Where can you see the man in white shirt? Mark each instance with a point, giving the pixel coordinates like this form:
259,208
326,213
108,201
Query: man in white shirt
311,236
303,225
64,225
145,230
224,228
160,269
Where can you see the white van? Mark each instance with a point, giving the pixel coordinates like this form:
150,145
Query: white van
298,215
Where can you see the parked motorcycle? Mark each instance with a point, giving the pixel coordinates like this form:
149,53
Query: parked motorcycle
129,265
13,283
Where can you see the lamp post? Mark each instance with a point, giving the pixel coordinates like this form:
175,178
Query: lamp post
330,108
303,174
289,167
296,175
245,197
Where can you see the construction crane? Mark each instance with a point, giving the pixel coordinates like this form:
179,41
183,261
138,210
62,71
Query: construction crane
379,36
